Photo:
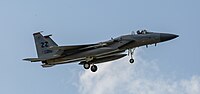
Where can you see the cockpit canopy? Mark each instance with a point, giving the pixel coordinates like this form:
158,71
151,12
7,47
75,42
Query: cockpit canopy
142,32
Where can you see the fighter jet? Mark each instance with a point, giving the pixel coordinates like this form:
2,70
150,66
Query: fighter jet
88,55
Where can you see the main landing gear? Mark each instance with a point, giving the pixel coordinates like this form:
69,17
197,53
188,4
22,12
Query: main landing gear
130,52
93,68
86,65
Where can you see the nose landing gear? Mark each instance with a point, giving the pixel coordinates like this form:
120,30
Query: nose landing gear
130,52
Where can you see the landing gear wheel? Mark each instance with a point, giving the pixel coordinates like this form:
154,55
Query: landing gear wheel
131,60
130,52
94,68
86,65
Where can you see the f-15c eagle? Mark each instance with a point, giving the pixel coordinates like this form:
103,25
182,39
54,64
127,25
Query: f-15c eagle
50,54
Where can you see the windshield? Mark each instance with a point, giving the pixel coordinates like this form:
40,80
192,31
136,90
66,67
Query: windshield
142,32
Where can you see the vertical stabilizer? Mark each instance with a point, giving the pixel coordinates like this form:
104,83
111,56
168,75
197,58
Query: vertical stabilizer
42,44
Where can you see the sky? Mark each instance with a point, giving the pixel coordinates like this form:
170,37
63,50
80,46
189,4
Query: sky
171,67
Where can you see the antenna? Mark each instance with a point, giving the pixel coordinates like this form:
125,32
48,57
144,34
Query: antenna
132,33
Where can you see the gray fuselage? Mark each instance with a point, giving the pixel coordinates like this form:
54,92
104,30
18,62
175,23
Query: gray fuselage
113,46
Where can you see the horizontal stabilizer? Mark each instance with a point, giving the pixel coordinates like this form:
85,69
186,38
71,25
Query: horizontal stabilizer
34,59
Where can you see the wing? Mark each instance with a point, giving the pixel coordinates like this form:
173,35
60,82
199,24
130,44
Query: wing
77,47
71,47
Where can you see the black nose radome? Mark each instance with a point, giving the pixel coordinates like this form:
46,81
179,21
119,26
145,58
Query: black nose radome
166,37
